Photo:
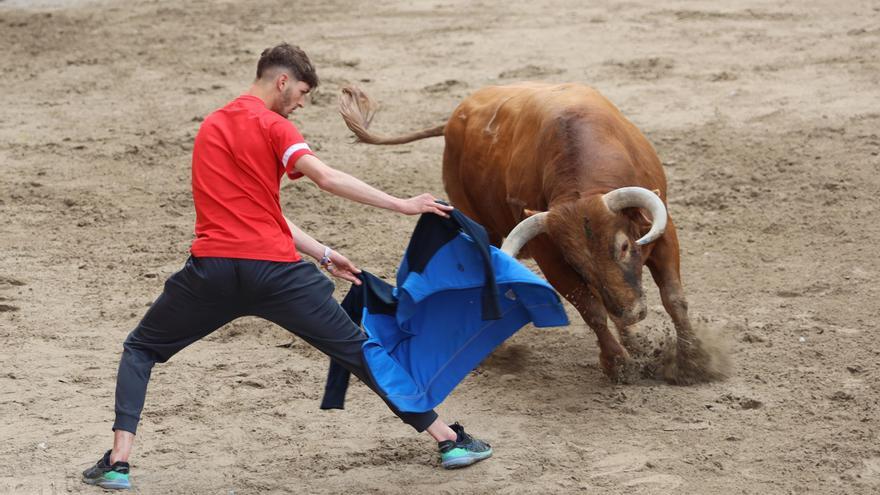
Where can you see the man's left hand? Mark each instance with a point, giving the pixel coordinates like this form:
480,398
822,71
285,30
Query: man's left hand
341,267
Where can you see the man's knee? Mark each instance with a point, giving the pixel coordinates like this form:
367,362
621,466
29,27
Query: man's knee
136,348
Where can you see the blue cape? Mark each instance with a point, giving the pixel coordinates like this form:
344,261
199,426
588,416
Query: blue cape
457,298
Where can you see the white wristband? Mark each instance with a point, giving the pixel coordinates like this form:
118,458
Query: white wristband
326,259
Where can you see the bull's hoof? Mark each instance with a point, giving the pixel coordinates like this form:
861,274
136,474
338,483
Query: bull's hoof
621,369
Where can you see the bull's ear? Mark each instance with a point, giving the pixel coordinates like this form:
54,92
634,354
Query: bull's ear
641,218
644,217
527,212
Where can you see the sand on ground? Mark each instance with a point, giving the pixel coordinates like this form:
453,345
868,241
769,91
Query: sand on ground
765,115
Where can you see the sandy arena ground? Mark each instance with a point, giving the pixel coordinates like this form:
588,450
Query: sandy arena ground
766,115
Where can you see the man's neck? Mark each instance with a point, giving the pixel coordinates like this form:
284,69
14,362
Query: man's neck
260,92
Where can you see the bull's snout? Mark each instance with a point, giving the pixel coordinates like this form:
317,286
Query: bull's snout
643,312
632,315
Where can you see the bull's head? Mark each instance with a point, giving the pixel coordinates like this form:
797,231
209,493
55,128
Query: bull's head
601,240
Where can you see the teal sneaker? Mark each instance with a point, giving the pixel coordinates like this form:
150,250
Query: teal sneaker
113,477
464,451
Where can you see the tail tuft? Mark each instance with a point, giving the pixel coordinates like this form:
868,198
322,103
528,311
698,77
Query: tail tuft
358,109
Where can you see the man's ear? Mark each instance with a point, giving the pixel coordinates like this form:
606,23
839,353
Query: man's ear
527,212
282,81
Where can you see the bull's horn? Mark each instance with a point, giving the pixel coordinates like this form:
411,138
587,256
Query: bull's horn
639,197
524,232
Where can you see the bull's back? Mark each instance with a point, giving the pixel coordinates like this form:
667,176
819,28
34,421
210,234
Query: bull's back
478,140
504,145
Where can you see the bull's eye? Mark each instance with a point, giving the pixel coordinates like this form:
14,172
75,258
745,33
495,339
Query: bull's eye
624,248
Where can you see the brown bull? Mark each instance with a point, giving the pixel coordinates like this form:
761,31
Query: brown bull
567,153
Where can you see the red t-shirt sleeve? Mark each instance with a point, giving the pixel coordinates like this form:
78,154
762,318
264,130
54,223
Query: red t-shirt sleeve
289,145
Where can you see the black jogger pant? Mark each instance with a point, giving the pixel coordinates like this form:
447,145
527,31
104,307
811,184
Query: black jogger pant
210,292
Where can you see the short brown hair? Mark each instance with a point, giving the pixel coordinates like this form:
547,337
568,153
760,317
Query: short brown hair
290,57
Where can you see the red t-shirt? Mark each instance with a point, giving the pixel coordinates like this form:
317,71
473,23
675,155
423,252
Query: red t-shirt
240,154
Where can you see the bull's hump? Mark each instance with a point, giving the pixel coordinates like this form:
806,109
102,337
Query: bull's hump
536,98
497,116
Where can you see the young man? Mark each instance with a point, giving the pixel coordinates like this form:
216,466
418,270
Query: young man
245,258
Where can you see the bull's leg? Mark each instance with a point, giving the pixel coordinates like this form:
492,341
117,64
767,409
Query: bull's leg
691,360
612,355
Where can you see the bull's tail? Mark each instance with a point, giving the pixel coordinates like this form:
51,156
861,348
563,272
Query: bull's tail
358,110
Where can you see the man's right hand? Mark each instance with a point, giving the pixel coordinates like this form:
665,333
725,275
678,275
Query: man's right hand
423,203
350,187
